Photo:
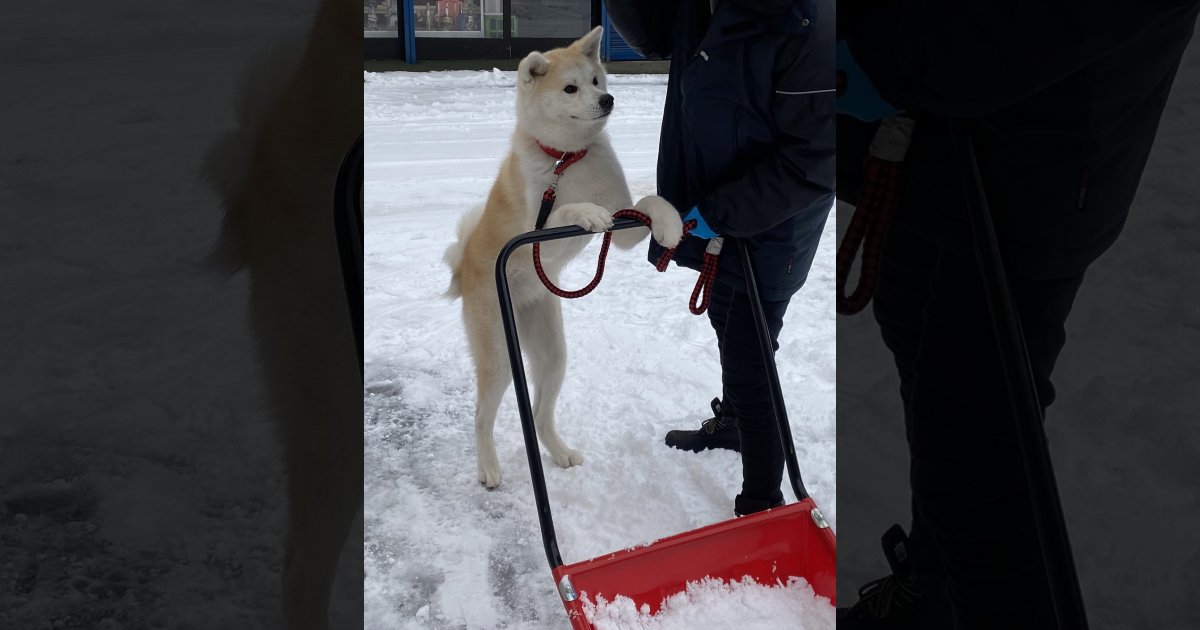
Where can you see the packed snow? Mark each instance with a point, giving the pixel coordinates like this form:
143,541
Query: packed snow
443,552
711,603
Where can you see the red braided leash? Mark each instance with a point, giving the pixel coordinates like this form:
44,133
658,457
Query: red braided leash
708,271
700,295
869,225
867,229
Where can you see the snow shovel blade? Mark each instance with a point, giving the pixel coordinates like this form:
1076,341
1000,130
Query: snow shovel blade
770,547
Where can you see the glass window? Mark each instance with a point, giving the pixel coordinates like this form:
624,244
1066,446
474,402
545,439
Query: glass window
553,18
449,18
493,19
380,18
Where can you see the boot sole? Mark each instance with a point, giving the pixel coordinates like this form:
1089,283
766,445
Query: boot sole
697,449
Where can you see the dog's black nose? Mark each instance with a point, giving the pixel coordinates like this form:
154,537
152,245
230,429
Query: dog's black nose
606,102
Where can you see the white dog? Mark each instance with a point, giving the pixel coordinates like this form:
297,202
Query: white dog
562,107
275,174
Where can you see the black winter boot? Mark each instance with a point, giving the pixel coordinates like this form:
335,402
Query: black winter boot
719,431
904,599
744,506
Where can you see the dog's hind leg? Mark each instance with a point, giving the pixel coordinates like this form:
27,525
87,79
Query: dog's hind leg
540,326
325,492
317,392
487,402
492,376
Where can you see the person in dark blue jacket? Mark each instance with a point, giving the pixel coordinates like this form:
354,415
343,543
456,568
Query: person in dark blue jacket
1063,101
746,150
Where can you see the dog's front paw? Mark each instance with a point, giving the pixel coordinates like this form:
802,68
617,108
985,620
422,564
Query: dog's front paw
588,216
665,223
567,458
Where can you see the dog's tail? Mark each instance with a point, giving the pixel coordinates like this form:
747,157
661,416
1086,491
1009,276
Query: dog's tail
454,253
228,164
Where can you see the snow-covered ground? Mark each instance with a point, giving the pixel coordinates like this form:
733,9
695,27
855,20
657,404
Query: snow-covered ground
1125,430
443,552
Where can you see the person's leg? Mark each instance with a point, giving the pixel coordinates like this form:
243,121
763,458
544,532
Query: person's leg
901,296
914,595
968,480
719,431
720,304
747,394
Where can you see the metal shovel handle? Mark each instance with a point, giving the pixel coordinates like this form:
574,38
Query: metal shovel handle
521,386
348,229
1022,390
767,346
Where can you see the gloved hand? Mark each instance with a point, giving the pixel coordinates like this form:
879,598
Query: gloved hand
702,230
857,96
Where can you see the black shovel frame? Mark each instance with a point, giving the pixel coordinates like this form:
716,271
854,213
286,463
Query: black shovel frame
348,230
1022,391
532,450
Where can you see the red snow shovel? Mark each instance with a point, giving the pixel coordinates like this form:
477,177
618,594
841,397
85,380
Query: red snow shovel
770,546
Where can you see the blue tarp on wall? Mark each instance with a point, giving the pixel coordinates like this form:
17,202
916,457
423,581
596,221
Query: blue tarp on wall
613,48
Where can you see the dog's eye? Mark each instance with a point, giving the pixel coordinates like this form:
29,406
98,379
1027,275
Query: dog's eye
570,89
595,81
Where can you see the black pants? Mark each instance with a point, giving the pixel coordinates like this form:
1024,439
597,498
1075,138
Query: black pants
972,519
745,390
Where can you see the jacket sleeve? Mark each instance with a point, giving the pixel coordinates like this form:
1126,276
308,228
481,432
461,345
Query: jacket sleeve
970,59
797,175
647,26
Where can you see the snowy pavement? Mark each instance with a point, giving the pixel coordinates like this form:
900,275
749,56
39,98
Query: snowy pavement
442,552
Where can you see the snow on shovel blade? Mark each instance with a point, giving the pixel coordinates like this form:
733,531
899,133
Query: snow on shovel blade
770,547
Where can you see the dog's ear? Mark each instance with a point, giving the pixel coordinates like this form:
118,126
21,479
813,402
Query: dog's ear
589,44
533,66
